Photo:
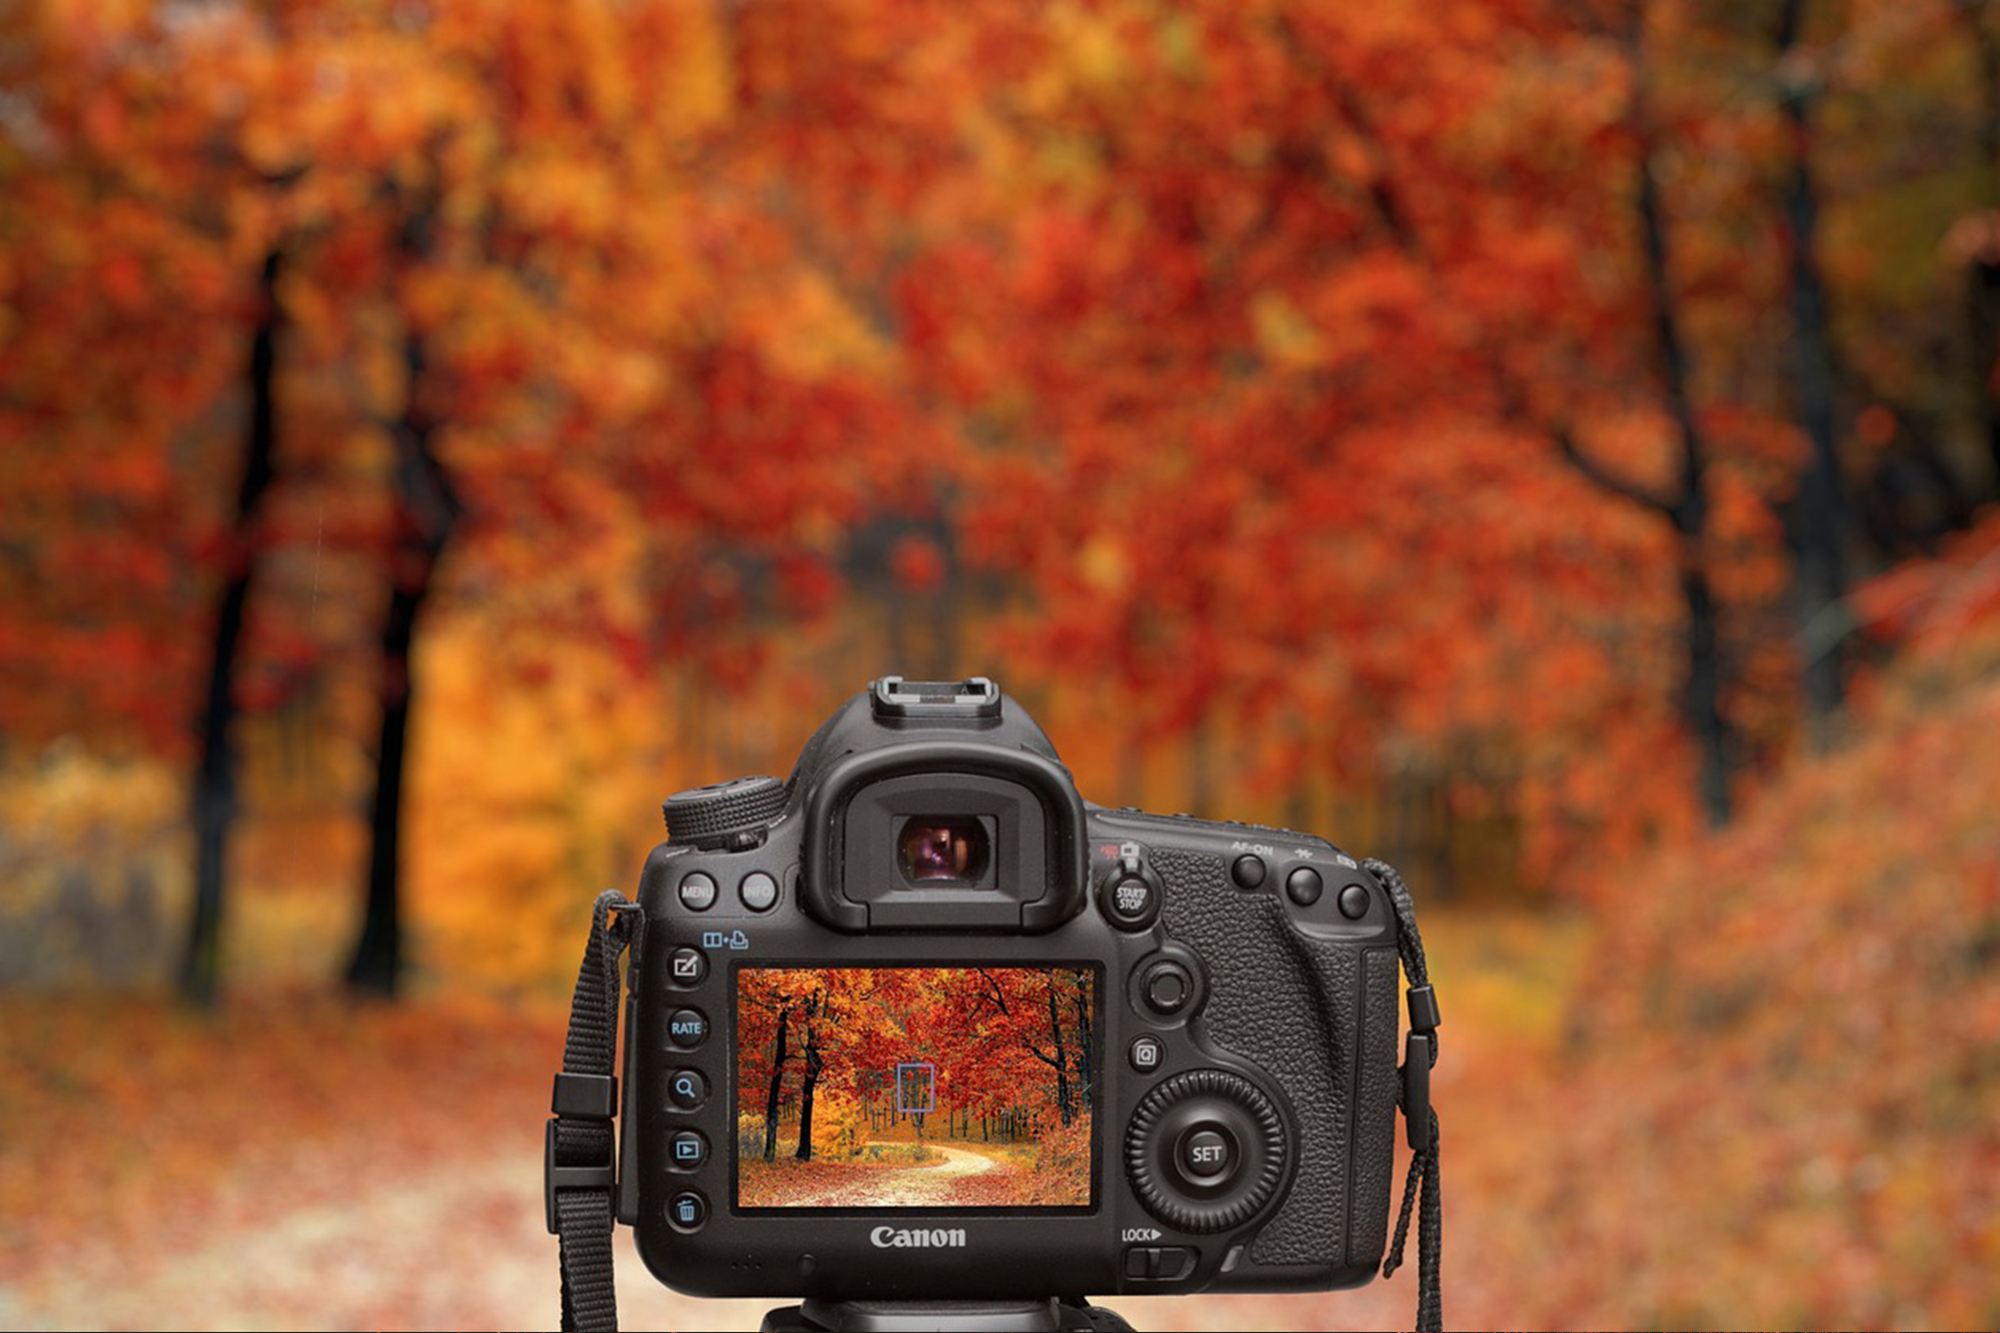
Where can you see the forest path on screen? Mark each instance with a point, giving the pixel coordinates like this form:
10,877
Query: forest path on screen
931,1185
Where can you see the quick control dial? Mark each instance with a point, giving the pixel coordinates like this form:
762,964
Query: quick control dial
1206,1151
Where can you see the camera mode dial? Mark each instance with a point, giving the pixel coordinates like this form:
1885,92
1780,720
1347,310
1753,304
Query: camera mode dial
724,816
1205,1151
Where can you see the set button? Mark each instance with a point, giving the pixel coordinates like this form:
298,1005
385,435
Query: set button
1206,1155
687,1028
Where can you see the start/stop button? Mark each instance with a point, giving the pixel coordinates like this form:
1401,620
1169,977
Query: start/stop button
1129,892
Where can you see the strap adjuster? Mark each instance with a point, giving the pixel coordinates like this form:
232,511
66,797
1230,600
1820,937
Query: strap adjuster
585,1096
1417,1090
556,1177
1423,1009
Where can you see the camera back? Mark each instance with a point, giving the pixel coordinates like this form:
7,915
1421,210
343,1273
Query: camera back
921,1023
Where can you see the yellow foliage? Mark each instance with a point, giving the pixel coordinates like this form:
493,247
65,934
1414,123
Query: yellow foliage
525,804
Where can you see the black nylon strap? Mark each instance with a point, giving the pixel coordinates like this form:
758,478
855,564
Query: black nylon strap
582,1146
1423,1177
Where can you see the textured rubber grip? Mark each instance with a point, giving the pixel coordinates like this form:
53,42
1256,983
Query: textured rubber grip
1319,1016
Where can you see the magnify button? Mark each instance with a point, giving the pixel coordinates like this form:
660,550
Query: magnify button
687,1089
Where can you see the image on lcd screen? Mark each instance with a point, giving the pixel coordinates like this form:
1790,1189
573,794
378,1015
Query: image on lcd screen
915,1087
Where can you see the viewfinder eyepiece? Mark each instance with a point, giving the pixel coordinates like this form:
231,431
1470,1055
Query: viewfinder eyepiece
945,850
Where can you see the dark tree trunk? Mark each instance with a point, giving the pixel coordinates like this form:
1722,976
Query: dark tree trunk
1702,698
1817,518
812,1072
377,962
1085,1058
777,1086
427,509
215,771
1983,277
1983,264
1687,508
1061,1062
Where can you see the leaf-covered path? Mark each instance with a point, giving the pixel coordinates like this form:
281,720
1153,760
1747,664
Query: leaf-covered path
929,1185
294,1161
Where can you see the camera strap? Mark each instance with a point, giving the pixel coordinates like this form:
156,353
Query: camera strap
579,1153
1420,1053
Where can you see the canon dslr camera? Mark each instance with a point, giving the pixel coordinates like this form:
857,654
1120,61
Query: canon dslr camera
922,1024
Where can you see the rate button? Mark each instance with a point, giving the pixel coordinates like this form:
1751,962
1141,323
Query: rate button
687,1028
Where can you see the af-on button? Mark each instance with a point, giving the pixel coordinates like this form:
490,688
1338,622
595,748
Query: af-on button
1248,870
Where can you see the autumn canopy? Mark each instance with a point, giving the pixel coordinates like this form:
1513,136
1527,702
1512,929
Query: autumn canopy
1551,444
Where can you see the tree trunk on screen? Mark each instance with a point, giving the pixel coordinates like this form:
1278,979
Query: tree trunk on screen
1085,1056
777,1086
1061,1061
215,771
814,1065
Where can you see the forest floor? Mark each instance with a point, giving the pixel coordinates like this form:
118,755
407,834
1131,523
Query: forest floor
297,1161
948,1182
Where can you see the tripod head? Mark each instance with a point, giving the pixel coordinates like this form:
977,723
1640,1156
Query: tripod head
1044,1316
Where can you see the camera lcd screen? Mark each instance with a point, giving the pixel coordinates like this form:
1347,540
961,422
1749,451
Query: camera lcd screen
865,1088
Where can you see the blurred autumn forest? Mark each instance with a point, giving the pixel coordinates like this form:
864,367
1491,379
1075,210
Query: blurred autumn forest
1552,444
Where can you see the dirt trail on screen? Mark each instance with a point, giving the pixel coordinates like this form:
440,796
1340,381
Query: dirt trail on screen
932,1185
